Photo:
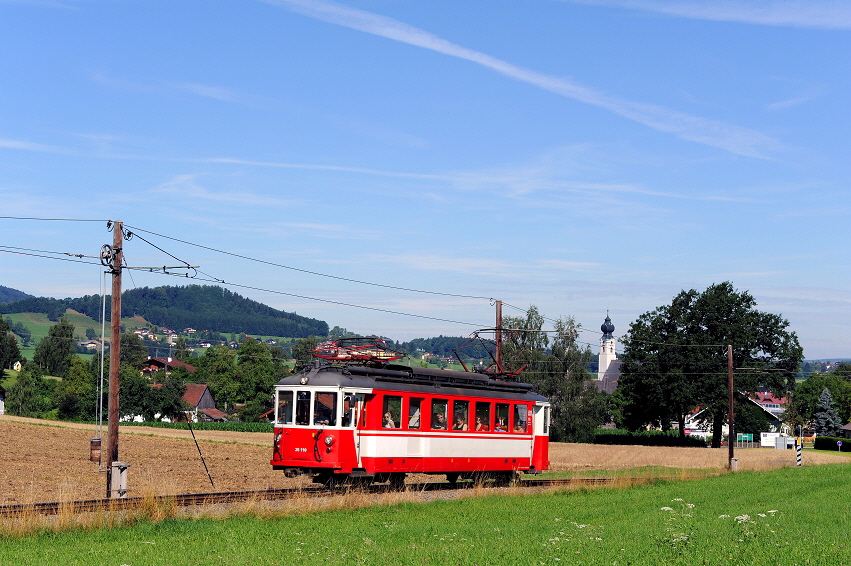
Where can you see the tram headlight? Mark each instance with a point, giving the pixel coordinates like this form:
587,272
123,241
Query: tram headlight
329,440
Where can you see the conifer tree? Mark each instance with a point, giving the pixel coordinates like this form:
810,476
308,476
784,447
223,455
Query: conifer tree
827,421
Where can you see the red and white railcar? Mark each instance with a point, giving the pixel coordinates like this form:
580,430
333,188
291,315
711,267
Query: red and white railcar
382,421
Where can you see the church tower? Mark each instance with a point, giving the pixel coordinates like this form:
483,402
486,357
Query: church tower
609,365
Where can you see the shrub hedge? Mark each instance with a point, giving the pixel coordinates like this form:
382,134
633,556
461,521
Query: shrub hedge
829,443
646,438
229,426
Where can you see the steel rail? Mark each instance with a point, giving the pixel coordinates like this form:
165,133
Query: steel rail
211,498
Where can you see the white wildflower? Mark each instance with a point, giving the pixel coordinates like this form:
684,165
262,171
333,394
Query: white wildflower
665,509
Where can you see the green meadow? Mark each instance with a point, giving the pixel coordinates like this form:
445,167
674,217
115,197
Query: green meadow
785,516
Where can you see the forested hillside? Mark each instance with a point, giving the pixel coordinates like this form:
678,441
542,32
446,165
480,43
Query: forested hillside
445,347
202,307
8,295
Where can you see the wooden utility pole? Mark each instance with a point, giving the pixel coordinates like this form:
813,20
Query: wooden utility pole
114,355
731,434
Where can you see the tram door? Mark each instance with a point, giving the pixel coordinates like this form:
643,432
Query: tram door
357,402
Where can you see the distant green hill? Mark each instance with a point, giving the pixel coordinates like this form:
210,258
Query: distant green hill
202,307
8,295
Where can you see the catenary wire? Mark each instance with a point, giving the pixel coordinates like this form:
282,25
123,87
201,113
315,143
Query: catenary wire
458,295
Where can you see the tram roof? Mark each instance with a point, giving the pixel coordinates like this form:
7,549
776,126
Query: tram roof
406,378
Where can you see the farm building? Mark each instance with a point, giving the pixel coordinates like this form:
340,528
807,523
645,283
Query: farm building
202,406
152,365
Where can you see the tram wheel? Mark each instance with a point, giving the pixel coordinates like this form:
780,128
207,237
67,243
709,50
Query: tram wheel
397,481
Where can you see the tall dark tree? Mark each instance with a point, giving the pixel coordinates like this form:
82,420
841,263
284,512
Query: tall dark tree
133,350
826,418
74,394
31,394
54,352
302,351
9,351
217,368
558,373
804,400
181,350
675,357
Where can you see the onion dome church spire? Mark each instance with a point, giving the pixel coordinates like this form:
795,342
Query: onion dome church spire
607,328
608,370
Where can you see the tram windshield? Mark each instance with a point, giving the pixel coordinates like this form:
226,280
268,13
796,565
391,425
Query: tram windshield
284,410
302,408
325,409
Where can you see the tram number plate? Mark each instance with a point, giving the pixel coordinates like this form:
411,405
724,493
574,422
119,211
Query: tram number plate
300,449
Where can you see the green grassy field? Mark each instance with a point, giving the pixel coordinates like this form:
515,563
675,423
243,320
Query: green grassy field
787,516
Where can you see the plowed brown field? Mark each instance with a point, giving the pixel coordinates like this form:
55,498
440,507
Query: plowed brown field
49,460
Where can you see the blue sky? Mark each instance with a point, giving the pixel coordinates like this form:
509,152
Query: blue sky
581,156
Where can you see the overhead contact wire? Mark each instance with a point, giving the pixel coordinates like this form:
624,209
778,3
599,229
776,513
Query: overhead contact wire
313,272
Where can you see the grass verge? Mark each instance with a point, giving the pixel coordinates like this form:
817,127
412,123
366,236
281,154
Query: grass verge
786,516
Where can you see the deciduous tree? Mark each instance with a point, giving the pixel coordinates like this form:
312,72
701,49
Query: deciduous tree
31,395
675,357
54,352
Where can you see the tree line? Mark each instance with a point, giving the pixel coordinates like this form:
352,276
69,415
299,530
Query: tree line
674,362
240,380
193,306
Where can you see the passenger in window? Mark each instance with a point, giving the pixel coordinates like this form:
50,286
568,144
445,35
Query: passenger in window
480,425
520,427
460,424
388,421
438,422
500,426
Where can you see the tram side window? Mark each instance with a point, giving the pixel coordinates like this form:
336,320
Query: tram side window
483,417
284,412
325,409
546,420
460,415
439,408
349,408
520,414
392,415
414,413
501,422
302,408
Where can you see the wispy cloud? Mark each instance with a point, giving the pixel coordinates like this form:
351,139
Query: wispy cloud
811,94
186,186
825,14
735,139
208,91
30,146
319,167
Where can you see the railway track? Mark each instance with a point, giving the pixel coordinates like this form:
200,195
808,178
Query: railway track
229,497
